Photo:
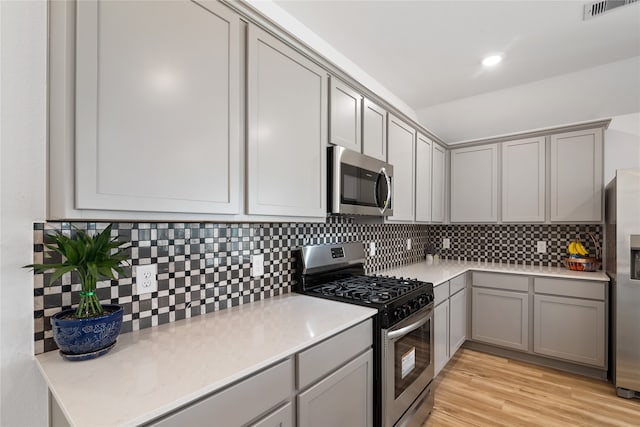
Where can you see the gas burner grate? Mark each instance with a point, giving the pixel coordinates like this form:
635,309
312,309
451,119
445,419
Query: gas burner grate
368,288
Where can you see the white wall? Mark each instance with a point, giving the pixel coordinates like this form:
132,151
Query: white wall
600,92
23,37
311,39
621,145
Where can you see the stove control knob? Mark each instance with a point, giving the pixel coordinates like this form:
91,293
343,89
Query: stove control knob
397,313
416,304
406,310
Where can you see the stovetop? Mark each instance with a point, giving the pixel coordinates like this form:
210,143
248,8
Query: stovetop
372,289
337,272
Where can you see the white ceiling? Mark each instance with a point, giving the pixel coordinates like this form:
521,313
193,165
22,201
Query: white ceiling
428,53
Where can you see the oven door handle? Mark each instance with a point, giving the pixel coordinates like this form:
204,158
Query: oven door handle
409,328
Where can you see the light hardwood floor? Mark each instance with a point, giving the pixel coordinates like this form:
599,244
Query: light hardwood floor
478,389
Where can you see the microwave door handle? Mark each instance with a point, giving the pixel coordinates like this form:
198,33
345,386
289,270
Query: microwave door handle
387,201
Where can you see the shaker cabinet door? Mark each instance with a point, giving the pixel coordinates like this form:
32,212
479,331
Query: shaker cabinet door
157,107
500,318
523,180
441,336
576,176
374,130
474,184
344,116
569,328
458,321
438,184
287,130
344,398
423,178
401,153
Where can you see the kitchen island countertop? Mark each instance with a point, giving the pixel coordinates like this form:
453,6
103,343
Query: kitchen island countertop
443,271
157,370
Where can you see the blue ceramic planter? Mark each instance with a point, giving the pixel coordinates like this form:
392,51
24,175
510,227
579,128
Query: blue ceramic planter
82,339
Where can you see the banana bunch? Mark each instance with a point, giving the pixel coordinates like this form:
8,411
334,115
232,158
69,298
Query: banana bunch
577,250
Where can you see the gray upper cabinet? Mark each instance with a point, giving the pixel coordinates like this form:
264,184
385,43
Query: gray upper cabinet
438,184
474,184
523,180
401,149
345,116
287,129
156,107
576,176
374,130
423,178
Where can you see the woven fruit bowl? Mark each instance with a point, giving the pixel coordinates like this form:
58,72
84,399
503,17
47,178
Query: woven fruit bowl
582,264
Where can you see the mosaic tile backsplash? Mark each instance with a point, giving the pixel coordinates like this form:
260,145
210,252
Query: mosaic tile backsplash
206,267
512,242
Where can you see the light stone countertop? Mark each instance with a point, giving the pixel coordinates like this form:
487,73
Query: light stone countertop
443,271
157,370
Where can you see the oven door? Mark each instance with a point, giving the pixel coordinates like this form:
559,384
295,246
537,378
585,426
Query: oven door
359,184
407,363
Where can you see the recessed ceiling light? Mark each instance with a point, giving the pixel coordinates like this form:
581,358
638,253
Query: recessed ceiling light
491,60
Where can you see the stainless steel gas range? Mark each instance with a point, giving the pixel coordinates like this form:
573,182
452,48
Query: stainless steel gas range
403,327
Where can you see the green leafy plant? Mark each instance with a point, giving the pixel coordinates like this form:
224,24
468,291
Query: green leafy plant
95,258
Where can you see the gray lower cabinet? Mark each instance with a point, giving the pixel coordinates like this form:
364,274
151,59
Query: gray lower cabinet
239,404
500,317
333,386
570,329
457,320
344,398
449,320
570,320
565,318
441,336
281,417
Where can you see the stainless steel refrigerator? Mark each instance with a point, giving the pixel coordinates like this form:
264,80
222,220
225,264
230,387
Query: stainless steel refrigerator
622,234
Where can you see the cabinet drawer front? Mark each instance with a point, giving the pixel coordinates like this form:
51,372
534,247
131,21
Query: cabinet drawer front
323,358
570,288
440,293
570,329
457,283
282,417
510,282
240,403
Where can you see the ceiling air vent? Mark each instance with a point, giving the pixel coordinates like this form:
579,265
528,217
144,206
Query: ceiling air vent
591,10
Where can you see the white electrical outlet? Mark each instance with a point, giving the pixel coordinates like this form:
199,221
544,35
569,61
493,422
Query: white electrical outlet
372,248
409,244
446,243
257,265
542,247
146,279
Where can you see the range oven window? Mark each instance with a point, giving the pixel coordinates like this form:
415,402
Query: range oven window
412,356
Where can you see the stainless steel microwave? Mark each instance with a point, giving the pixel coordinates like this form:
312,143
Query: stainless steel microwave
358,184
